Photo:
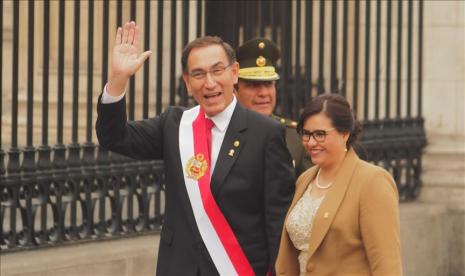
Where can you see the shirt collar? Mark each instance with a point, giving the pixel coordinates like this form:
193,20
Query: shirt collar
223,118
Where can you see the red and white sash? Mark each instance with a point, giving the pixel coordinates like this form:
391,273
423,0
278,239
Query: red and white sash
217,235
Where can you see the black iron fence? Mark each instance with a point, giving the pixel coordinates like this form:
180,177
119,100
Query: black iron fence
57,186
369,51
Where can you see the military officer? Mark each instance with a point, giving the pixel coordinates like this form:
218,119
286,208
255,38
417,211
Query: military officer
256,90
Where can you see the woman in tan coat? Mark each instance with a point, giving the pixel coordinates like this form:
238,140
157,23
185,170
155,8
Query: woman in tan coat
344,218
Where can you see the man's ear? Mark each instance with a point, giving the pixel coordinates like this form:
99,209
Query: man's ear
185,77
235,71
236,87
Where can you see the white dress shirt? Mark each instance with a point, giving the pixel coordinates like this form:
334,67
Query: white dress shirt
221,121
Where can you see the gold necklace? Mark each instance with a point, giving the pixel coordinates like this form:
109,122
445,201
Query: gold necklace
317,183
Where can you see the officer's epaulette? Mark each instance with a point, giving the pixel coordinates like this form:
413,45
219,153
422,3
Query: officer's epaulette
287,122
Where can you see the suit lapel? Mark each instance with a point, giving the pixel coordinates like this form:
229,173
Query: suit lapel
229,152
327,211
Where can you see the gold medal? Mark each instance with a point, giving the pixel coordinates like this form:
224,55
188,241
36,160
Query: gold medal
196,166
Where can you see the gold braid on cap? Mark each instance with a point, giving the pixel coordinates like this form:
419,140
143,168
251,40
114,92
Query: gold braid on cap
257,72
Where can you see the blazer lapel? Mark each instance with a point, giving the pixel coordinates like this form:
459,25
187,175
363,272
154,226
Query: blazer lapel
325,214
287,263
229,150
302,185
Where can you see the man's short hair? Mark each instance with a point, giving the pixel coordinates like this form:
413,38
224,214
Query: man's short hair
204,42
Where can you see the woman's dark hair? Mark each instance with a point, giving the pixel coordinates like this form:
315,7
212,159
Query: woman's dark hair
338,110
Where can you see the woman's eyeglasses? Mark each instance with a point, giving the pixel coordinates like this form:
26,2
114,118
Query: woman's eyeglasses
319,135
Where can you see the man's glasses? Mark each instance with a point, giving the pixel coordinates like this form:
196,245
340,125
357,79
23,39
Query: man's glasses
216,71
319,135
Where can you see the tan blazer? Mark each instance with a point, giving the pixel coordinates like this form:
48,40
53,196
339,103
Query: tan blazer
356,229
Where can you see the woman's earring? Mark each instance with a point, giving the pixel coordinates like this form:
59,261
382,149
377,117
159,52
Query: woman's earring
345,145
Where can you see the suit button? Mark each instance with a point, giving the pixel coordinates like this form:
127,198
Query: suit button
310,267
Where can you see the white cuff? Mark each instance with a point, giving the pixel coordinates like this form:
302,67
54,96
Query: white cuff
108,99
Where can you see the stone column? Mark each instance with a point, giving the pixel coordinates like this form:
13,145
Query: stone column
444,159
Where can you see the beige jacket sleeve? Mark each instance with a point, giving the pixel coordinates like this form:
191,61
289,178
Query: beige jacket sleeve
379,224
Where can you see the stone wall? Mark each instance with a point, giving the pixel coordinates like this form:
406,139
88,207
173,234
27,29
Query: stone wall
123,257
444,67
425,252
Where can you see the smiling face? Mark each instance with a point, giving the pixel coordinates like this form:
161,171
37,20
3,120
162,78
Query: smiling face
214,92
260,96
331,151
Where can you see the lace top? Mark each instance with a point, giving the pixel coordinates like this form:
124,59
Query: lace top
299,224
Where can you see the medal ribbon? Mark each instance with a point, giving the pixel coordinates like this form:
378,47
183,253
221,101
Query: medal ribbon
201,133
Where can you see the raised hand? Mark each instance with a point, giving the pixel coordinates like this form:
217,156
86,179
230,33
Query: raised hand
125,59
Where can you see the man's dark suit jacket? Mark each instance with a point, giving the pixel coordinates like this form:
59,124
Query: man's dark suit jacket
253,189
